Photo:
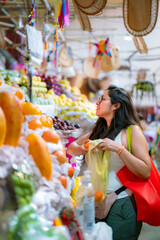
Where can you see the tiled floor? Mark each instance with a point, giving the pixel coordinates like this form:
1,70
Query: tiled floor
149,233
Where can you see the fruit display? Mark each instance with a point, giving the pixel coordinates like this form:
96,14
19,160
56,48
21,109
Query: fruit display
75,111
41,154
27,225
39,90
66,129
52,84
10,76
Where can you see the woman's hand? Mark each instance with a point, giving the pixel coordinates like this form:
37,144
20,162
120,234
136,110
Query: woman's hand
83,150
108,144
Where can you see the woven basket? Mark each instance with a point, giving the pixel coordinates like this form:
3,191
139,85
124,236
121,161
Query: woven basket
111,63
140,16
89,70
140,45
65,59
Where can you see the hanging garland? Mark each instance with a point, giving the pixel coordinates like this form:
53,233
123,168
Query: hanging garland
62,12
31,16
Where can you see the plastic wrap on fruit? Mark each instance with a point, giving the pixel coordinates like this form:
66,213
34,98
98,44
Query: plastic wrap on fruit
27,225
54,147
56,171
65,171
23,144
46,202
8,156
29,118
25,130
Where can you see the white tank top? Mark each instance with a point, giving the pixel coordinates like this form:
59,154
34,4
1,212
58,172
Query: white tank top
115,164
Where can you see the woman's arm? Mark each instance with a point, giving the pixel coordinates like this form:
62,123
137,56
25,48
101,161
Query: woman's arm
139,161
77,148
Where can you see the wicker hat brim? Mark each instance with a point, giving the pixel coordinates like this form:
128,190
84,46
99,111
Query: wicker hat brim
95,8
83,18
140,17
84,4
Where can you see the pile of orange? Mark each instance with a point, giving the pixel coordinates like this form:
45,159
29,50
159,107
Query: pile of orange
70,171
63,181
34,124
46,121
29,108
51,136
60,155
19,93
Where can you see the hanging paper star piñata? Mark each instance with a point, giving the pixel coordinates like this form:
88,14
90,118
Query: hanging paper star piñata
102,48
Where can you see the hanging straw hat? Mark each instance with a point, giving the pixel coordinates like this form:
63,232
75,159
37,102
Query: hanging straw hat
140,45
84,4
140,17
95,7
89,70
83,18
65,57
78,80
2,41
111,63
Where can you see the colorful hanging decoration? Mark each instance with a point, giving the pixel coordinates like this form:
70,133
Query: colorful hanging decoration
63,12
55,49
31,16
102,47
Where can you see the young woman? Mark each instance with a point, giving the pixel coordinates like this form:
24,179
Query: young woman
116,113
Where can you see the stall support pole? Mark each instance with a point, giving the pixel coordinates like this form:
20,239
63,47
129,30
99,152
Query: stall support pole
30,82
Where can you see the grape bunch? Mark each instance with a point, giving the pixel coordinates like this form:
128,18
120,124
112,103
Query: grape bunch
59,124
53,84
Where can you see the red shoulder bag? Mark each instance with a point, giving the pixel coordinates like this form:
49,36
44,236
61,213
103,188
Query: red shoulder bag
146,192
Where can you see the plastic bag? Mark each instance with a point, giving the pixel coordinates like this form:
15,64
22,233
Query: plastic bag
98,163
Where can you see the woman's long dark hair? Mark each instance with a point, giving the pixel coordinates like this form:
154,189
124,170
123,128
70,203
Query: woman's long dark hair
125,115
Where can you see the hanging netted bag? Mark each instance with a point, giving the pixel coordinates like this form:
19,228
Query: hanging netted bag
98,163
